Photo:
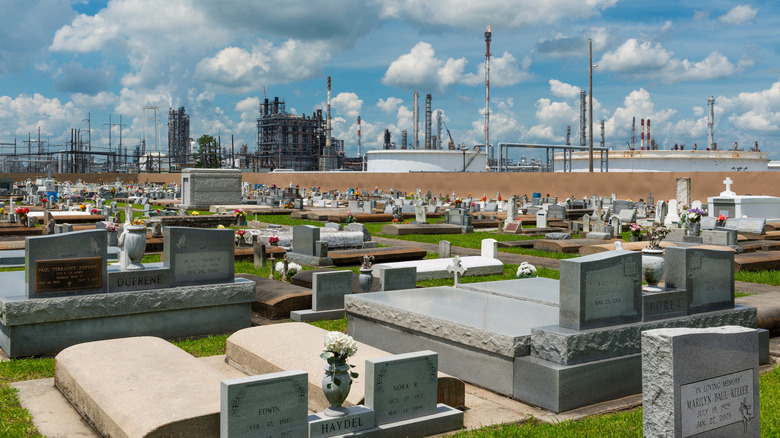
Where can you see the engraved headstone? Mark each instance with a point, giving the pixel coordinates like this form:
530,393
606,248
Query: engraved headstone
329,288
700,382
445,249
683,197
199,256
586,224
660,212
304,238
419,214
397,278
601,290
66,264
403,386
707,275
269,405
541,219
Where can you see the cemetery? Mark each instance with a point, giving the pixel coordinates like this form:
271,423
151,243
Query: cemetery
381,312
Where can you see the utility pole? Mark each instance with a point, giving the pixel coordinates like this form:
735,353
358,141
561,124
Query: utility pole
590,105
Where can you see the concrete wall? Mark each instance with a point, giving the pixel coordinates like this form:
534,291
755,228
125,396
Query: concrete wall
625,185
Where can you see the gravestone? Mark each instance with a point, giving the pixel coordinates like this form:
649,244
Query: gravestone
650,199
616,224
329,288
419,214
683,197
513,227
627,215
397,278
586,224
66,264
556,212
641,210
403,386
673,216
445,249
511,211
707,275
202,188
601,290
708,222
489,248
541,219
269,405
199,256
304,238
660,212
700,382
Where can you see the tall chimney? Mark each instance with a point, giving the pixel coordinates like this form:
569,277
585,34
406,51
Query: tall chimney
415,122
327,123
428,121
642,141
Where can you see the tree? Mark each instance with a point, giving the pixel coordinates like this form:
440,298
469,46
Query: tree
209,153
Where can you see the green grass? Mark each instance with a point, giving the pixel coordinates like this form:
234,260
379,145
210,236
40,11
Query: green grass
539,253
471,240
510,273
619,425
336,325
202,347
764,277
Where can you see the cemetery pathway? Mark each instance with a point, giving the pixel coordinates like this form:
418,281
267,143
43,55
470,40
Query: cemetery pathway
505,257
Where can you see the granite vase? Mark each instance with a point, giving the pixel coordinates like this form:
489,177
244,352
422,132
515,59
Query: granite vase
336,384
653,265
365,279
135,245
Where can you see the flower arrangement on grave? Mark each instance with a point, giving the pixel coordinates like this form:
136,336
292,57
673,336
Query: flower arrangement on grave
721,220
220,227
499,198
273,241
288,205
526,270
395,220
655,234
2,210
692,216
350,218
22,210
44,201
83,207
407,223
484,198
94,211
636,231
368,260
195,213
457,202
337,381
137,221
239,213
292,269
111,227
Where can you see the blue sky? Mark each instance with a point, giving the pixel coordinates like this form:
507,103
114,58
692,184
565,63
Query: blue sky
63,60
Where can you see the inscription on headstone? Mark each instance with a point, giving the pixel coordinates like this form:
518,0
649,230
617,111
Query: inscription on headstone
199,256
402,386
270,406
68,274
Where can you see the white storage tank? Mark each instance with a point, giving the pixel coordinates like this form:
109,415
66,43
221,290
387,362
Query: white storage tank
426,160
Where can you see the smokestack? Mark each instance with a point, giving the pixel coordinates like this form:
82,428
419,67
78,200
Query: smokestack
415,122
711,123
642,141
438,130
649,143
359,155
633,133
488,38
327,125
403,139
427,121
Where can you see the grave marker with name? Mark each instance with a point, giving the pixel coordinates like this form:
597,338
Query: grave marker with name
199,256
272,405
700,382
706,274
601,290
403,386
329,288
66,264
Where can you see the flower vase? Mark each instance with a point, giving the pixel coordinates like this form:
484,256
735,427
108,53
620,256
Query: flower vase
135,246
112,238
653,266
365,279
240,221
694,228
336,384
633,239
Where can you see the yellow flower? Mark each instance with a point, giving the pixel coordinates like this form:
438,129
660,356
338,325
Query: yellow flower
195,213
221,227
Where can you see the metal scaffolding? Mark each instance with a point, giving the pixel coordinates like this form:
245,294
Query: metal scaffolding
178,136
286,141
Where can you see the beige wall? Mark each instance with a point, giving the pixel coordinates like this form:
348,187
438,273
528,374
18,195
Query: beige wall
625,185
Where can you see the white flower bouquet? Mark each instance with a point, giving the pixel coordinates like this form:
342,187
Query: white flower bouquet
338,348
526,270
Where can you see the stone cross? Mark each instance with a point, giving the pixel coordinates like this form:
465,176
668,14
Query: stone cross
273,266
728,191
456,269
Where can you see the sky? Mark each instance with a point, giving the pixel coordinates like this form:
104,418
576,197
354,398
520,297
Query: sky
63,62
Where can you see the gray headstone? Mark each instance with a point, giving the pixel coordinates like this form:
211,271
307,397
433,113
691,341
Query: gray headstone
586,224
557,236
627,215
683,191
397,278
707,275
445,249
719,236
708,222
556,212
66,264
700,382
419,214
199,256
752,225
304,237
598,235
601,290
329,288
661,209
333,226
402,386
269,405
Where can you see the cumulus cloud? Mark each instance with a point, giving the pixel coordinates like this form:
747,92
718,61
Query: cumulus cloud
421,69
756,111
347,104
27,113
637,104
739,14
650,60
238,70
562,89
501,14
390,104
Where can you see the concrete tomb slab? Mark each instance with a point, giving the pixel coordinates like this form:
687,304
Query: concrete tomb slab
146,387
295,345
437,268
